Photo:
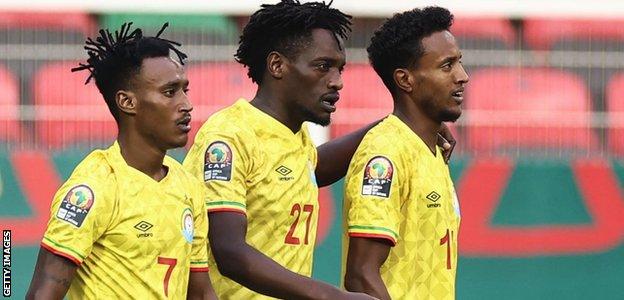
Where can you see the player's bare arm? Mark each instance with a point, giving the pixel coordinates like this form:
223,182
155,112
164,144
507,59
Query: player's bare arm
365,257
199,287
242,263
52,277
335,155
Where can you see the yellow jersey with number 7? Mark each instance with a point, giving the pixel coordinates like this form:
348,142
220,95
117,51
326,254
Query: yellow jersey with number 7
254,165
398,190
131,236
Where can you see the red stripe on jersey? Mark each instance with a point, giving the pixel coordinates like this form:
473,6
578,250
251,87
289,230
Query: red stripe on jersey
374,235
227,210
59,253
204,269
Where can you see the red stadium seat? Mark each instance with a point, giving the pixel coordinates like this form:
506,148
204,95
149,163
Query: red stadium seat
615,109
9,101
484,29
73,21
529,109
67,111
544,33
363,99
214,86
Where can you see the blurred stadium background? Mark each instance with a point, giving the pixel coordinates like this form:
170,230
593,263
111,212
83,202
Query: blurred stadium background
539,166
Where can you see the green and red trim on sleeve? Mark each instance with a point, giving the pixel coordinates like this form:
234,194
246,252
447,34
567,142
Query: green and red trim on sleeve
226,206
62,251
199,266
373,232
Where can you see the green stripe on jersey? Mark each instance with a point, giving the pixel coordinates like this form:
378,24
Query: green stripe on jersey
226,203
61,246
375,228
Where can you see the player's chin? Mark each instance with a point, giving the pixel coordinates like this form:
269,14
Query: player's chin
178,141
451,114
323,120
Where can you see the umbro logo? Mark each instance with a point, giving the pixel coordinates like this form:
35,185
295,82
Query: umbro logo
433,197
282,170
144,226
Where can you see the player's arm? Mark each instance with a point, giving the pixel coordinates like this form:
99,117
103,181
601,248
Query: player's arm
200,287
364,259
52,276
335,155
244,264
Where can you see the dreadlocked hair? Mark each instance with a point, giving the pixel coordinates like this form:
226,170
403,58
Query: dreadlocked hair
398,42
115,59
286,27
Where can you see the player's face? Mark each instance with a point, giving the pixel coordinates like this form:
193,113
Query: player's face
440,78
314,78
163,108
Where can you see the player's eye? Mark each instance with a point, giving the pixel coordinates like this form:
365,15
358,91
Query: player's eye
169,92
324,66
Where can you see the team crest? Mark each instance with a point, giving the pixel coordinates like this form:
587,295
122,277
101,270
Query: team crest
312,173
187,225
218,162
378,177
76,205
456,203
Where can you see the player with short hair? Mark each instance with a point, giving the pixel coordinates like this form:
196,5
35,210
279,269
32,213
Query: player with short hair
260,167
130,222
401,211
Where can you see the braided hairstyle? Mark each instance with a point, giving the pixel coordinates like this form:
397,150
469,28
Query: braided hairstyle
286,27
114,60
398,42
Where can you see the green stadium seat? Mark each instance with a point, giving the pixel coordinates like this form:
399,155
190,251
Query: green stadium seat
184,28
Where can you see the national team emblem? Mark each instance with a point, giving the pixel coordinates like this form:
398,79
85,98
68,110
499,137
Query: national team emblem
312,173
187,225
378,177
456,203
76,205
218,162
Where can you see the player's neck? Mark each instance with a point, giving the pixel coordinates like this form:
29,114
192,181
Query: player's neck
142,155
271,104
426,128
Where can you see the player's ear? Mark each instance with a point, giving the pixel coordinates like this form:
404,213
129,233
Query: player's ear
403,80
275,64
126,102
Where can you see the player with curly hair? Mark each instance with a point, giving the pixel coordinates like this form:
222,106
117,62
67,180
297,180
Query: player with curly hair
401,211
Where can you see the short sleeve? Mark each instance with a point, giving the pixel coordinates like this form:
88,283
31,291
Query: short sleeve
199,250
221,162
373,197
80,213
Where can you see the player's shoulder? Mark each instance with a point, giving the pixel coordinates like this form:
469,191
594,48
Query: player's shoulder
94,177
383,139
96,167
230,123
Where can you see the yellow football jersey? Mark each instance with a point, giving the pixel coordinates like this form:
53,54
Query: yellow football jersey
396,189
254,165
132,237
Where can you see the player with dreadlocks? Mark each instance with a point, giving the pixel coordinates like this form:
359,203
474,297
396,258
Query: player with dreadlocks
260,167
130,222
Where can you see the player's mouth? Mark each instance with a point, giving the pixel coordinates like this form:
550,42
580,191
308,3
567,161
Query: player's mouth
328,101
458,95
184,124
